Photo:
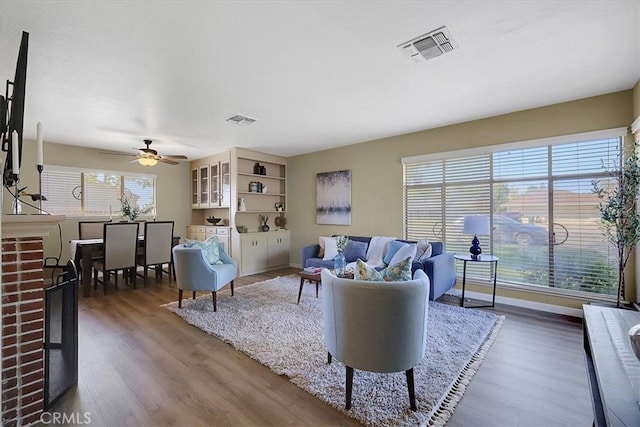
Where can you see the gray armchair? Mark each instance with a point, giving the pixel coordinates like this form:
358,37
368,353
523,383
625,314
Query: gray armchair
194,273
376,326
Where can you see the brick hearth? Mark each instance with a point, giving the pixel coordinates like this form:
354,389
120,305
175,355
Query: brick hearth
23,317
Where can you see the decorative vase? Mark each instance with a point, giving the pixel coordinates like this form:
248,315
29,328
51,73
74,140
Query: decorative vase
16,207
256,169
264,227
339,264
241,206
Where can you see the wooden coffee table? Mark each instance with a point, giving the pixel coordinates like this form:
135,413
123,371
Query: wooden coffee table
312,277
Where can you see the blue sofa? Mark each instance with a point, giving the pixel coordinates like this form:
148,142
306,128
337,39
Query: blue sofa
441,267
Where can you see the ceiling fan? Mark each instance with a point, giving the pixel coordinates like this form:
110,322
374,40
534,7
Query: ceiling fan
149,157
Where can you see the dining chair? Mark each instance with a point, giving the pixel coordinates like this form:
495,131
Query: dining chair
90,229
120,251
158,241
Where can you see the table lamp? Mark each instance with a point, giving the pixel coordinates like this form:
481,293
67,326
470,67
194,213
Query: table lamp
476,224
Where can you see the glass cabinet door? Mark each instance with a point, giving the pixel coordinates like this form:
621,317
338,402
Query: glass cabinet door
215,186
204,185
225,184
194,187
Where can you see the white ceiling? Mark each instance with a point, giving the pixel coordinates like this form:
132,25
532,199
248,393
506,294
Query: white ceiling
316,74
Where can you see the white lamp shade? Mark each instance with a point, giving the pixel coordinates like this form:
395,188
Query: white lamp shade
476,224
147,161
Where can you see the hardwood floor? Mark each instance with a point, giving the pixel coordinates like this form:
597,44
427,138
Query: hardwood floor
141,365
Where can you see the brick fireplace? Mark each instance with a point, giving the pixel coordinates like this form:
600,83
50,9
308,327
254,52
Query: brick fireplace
23,316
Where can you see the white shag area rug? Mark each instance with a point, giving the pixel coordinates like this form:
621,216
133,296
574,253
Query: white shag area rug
263,321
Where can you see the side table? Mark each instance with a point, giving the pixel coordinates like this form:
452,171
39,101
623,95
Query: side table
481,258
311,277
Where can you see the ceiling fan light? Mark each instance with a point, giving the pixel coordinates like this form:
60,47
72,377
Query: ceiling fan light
147,161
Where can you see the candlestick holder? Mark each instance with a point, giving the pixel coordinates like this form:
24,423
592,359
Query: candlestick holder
40,169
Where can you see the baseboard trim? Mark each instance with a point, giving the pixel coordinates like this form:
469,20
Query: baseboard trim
540,306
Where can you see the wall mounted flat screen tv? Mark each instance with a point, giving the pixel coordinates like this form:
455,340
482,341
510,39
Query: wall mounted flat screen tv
13,106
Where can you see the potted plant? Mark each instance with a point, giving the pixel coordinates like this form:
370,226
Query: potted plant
132,211
619,217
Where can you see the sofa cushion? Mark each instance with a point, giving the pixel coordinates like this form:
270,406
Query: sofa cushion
407,250
398,272
355,250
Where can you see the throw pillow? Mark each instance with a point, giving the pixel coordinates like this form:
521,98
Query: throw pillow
355,250
424,250
408,250
321,243
394,246
399,272
365,272
330,248
188,243
211,250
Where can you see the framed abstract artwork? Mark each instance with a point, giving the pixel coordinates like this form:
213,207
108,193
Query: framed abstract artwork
333,205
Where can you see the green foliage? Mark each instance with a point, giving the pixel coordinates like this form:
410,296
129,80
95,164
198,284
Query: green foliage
132,210
619,218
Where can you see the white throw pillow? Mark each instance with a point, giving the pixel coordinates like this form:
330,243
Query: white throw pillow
330,248
407,250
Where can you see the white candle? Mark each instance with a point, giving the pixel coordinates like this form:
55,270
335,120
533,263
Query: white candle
39,144
110,214
15,154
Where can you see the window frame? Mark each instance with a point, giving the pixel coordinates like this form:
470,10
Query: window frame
82,183
550,177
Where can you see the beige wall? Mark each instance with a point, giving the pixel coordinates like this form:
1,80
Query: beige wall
377,172
636,100
172,187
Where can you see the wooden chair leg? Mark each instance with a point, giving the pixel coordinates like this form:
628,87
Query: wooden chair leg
133,277
146,273
232,288
179,298
349,387
213,295
412,392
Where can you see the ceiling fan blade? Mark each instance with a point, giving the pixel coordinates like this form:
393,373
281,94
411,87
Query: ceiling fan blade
178,156
114,153
170,162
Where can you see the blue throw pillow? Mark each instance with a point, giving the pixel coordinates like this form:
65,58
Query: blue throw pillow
394,247
209,247
354,251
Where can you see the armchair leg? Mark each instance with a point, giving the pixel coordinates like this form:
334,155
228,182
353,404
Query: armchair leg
213,295
328,358
232,288
179,298
194,294
347,404
412,392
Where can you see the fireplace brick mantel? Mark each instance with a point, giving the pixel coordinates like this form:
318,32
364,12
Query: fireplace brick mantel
23,316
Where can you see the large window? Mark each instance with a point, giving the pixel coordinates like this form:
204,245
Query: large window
79,192
543,214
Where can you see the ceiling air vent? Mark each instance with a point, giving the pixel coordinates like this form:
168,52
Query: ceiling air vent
239,119
429,45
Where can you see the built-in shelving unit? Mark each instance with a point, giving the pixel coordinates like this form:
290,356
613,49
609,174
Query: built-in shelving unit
219,182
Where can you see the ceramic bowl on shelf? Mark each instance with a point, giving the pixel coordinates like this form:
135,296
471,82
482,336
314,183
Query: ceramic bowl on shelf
213,220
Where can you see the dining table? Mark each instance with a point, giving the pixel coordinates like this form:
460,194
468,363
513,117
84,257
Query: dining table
84,251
